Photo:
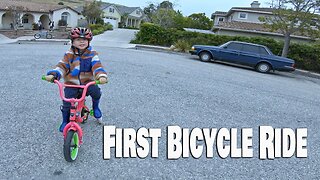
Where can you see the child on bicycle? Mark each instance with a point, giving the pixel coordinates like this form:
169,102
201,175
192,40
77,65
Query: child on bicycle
79,66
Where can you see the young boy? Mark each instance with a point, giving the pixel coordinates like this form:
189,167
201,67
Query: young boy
79,66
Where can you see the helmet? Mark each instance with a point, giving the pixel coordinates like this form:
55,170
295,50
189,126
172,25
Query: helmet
81,32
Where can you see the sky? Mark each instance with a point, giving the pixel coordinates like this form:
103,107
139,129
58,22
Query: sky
189,7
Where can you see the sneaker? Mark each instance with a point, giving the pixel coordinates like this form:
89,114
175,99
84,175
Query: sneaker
100,121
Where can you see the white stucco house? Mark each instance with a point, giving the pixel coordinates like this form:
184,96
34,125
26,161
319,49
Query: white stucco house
122,15
244,21
35,12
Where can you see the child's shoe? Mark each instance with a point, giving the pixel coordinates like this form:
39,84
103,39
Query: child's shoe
96,111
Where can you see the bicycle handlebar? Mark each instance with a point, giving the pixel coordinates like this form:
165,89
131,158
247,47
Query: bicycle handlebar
84,87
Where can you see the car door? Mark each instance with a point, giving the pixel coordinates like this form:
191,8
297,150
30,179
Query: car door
249,55
230,52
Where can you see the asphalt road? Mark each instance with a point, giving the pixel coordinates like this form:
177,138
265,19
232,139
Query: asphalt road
152,90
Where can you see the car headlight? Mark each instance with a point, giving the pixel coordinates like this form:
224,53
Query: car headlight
193,48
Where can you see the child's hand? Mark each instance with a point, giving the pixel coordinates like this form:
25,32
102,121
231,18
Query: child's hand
49,78
103,80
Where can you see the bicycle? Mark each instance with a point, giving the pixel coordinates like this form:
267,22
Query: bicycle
45,34
79,113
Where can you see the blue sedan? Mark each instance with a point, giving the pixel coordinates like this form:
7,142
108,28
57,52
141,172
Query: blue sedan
248,54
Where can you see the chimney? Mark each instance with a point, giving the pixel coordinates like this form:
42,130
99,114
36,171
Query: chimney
255,4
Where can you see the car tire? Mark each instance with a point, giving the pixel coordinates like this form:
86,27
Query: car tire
263,67
205,56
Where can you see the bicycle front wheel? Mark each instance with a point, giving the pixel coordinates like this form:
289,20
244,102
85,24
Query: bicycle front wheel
71,146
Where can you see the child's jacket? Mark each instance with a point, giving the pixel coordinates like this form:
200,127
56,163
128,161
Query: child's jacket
76,69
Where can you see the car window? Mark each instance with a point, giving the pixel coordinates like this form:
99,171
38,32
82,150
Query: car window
234,46
251,48
263,51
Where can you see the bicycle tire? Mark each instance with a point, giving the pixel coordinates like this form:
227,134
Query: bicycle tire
71,146
37,36
49,36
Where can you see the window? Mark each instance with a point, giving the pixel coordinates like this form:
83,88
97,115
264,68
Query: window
64,17
243,15
25,20
263,51
251,48
234,46
138,12
111,10
221,19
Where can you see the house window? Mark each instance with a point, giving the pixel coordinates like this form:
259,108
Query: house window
221,19
64,16
25,20
243,15
111,10
138,12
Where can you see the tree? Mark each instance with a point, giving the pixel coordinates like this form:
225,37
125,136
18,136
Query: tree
150,10
293,16
16,13
164,17
92,11
166,5
199,21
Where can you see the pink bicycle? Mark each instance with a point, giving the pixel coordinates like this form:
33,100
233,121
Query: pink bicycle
79,113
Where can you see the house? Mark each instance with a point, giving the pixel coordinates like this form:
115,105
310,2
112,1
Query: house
122,15
36,12
244,21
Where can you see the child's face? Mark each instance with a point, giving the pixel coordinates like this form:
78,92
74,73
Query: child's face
80,43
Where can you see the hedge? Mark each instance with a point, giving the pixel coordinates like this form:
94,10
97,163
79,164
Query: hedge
307,56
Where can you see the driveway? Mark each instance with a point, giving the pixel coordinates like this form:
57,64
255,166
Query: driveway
115,38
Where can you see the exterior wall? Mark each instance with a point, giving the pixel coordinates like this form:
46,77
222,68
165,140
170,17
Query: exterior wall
216,19
112,17
251,17
134,19
1,13
254,34
72,20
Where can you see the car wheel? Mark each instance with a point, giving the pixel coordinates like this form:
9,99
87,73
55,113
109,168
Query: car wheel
263,67
205,56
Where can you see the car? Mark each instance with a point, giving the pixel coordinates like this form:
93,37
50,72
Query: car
256,56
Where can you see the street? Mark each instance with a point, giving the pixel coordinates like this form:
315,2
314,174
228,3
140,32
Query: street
153,90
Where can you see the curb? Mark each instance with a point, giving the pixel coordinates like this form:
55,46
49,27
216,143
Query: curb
64,41
166,49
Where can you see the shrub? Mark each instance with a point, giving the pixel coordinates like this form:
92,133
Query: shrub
182,46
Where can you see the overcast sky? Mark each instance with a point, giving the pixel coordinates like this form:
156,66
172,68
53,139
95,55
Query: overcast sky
193,6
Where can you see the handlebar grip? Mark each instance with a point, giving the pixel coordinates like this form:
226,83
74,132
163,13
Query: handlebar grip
43,77
97,81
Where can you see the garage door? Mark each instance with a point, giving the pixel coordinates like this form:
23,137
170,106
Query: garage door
111,21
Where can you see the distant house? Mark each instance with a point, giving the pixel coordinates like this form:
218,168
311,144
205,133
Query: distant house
122,15
37,12
244,21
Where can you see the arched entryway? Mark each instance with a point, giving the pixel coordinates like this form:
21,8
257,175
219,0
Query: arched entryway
7,21
27,20
45,21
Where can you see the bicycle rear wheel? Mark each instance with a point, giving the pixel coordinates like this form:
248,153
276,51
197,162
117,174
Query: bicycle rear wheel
71,146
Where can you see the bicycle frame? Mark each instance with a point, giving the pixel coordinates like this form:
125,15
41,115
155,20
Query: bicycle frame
76,107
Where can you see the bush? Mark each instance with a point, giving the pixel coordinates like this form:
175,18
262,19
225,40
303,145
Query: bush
306,56
182,46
